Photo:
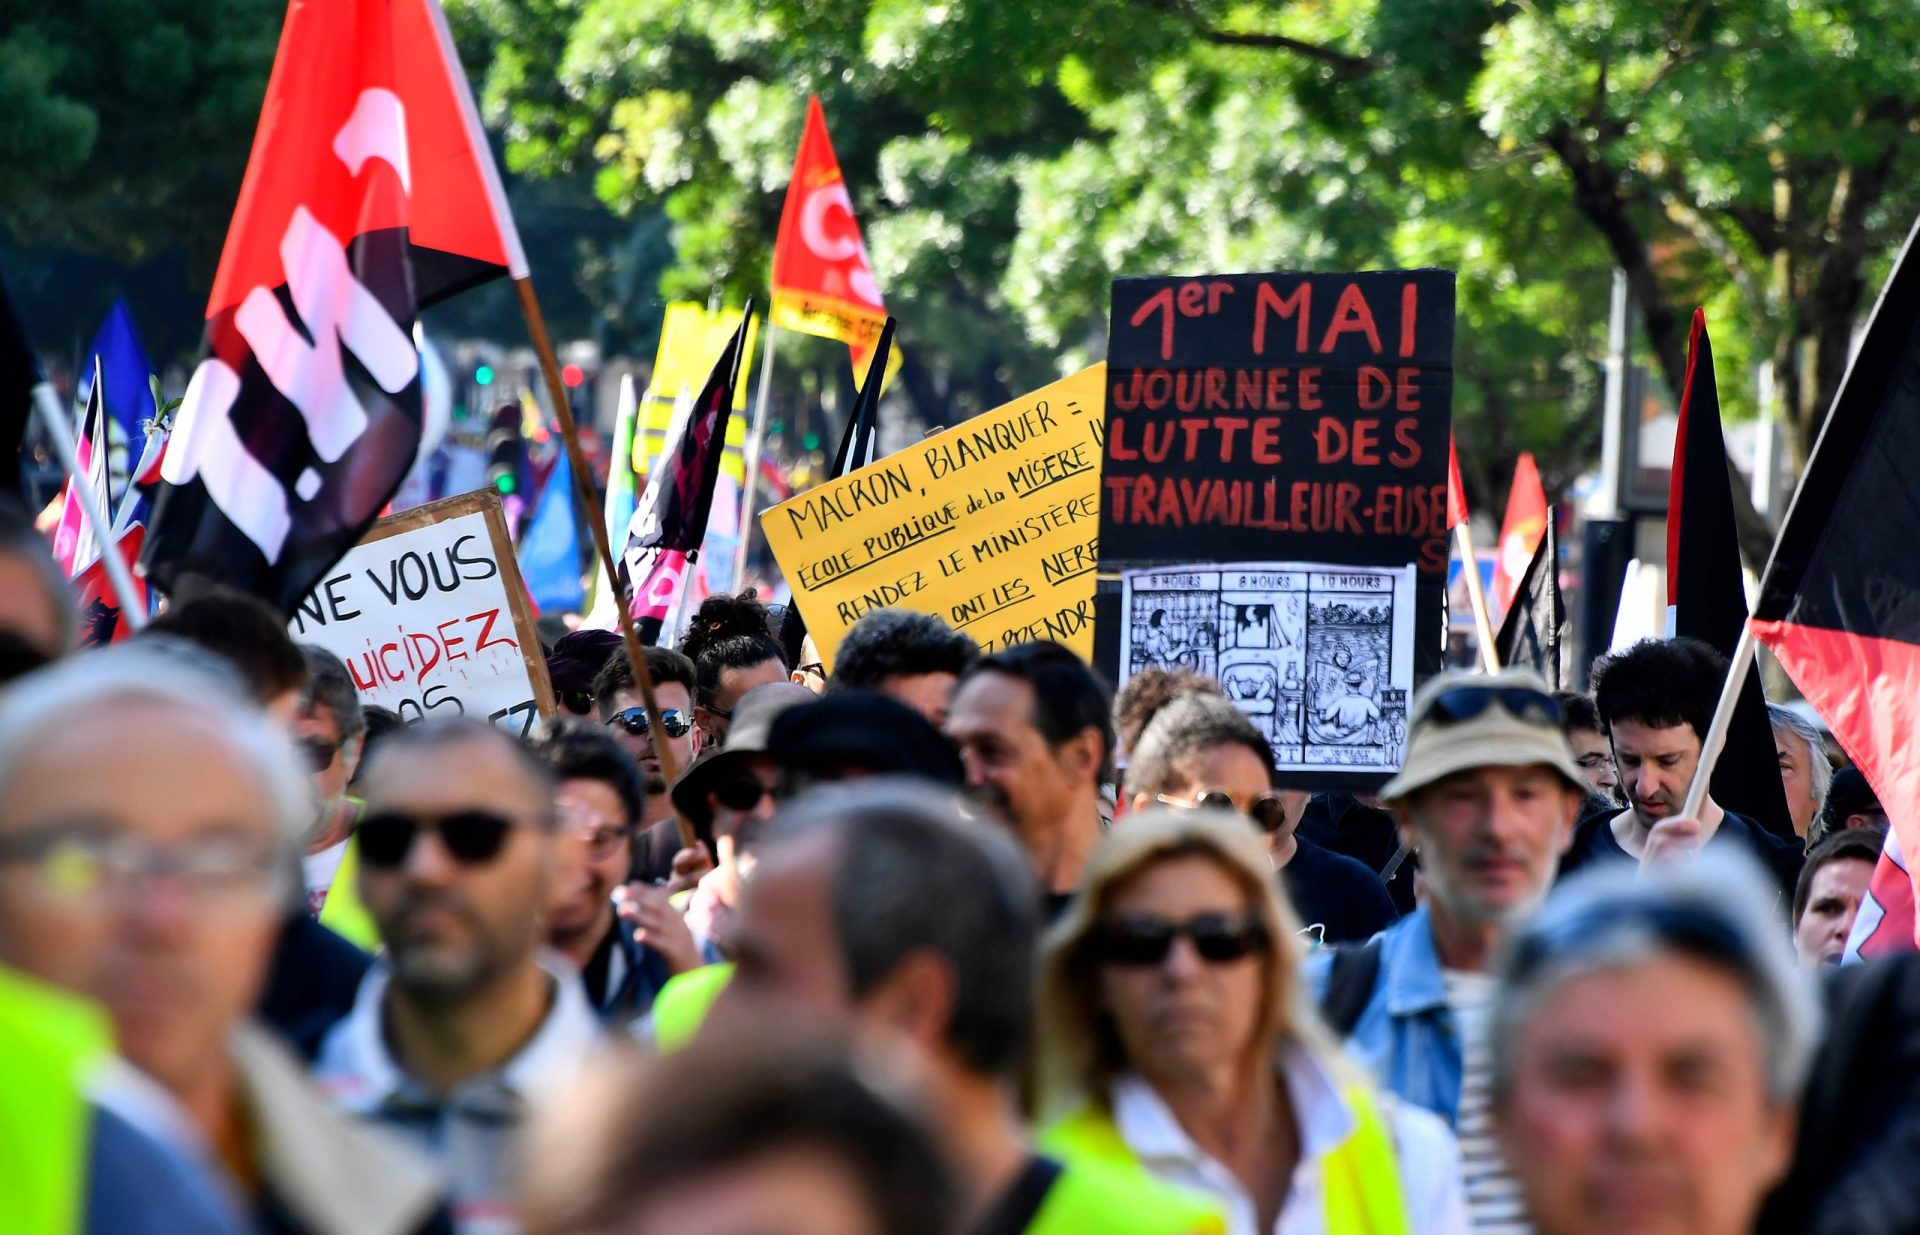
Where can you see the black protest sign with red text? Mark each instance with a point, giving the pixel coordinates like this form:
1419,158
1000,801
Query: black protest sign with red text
1294,417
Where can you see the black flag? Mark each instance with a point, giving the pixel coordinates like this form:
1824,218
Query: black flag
1706,592
1530,633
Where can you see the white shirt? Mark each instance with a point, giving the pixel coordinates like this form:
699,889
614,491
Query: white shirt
1428,1159
319,870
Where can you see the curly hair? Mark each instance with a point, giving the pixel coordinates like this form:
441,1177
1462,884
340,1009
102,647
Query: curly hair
890,643
1660,683
728,632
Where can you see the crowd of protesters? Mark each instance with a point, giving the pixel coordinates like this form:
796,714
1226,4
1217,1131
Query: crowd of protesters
935,943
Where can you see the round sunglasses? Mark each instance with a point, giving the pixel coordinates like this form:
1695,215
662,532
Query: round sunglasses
1268,811
634,721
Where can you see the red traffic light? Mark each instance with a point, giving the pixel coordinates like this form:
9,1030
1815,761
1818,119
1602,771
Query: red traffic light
572,375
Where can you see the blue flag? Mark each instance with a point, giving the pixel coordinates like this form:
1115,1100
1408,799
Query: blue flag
127,373
550,546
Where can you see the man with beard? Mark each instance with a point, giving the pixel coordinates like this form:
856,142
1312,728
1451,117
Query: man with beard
461,1025
1656,700
1488,795
624,712
1035,731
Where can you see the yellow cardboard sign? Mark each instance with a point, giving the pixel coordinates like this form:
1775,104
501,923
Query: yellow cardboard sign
691,340
993,526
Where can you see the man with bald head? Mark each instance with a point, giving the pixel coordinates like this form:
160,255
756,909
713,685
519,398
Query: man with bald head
465,1020
158,891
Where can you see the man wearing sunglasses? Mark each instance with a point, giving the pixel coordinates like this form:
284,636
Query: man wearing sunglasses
1199,750
624,713
1488,794
329,729
463,1023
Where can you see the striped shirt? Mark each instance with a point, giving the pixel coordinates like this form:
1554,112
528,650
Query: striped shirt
1494,1203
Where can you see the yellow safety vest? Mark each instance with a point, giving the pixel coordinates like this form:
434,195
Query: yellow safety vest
1361,1176
1092,1197
683,1003
345,913
49,1042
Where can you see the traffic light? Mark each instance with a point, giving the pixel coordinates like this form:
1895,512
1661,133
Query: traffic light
505,450
483,375
572,375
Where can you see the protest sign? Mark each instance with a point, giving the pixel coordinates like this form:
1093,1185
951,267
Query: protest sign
989,526
1274,419
430,616
1319,657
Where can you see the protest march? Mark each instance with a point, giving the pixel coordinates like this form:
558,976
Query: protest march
1245,671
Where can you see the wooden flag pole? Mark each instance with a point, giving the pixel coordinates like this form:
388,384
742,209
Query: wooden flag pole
752,478
583,487
1716,739
1470,567
60,431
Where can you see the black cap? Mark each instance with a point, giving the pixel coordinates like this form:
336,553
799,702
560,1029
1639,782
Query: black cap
578,656
863,730
1850,794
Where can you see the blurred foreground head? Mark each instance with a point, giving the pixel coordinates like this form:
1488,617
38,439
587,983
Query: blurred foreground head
877,909
1649,1044
38,621
755,1135
150,821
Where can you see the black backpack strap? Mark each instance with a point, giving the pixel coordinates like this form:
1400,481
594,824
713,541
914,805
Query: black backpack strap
1350,983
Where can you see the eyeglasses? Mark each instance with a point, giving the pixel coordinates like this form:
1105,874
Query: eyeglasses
320,752
1461,703
1137,942
1268,811
77,861
578,702
812,669
634,721
742,792
473,837
1593,761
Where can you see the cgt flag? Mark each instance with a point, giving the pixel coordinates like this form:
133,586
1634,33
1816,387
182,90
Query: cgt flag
822,281
1840,602
1706,594
369,194
1520,531
671,519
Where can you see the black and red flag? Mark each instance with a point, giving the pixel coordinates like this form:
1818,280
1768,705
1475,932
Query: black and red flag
370,194
1706,593
1536,622
670,520
1840,602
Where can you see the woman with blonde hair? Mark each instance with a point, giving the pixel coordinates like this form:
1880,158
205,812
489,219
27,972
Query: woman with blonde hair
1177,1039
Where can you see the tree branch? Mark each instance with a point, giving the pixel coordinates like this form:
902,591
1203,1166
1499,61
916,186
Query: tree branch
1346,66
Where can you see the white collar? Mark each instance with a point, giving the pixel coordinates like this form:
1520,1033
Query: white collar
362,1074
1148,1125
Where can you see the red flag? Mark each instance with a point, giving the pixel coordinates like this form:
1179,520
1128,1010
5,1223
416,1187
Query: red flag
822,281
1885,922
1520,531
369,193
1840,602
1456,492
99,604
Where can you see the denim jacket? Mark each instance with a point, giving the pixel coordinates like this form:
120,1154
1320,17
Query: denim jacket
1406,1035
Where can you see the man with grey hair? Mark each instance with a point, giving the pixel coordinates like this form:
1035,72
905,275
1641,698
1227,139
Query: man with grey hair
1651,1038
879,912
1488,794
467,1018
1805,770
158,891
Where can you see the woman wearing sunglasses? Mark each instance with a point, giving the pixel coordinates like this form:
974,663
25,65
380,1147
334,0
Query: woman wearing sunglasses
1177,1039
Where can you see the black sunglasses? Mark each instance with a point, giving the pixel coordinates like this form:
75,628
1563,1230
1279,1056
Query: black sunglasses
634,721
741,792
471,836
1462,703
579,702
320,752
1219,938
1267,811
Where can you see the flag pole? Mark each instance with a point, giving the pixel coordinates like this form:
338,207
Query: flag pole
583,487
1470,567
1716,739
60,430
752,478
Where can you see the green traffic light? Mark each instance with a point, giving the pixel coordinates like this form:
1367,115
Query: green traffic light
811,441
484,375
505,484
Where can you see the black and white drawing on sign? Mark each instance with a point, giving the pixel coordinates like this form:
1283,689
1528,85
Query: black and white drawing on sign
1320,657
